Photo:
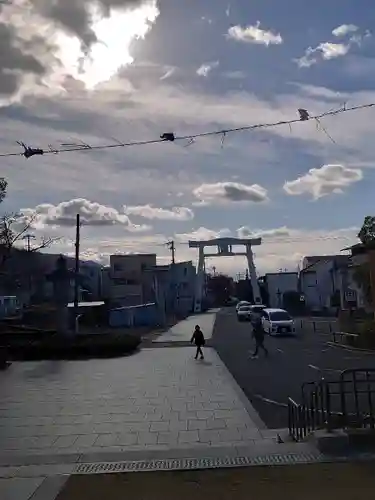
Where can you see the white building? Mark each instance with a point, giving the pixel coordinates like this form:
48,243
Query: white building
131,282
320,280
279,283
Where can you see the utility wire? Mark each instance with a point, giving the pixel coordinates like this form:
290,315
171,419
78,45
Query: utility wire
28,151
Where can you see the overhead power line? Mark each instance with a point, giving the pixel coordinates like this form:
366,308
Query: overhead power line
304,116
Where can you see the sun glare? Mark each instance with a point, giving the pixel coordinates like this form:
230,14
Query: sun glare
115,34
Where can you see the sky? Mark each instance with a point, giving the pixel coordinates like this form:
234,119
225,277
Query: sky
109,72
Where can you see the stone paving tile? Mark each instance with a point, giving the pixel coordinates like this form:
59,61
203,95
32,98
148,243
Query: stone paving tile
19,488
157,399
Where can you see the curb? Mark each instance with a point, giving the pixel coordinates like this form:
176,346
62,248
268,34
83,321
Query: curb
348,348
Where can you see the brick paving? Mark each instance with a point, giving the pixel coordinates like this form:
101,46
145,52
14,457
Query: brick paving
156,399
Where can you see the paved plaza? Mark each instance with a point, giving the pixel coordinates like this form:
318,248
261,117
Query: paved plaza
159,403
157,399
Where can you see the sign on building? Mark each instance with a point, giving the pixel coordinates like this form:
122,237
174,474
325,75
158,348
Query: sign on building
350,295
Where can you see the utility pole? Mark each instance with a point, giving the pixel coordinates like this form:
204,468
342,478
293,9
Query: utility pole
28,237
172,248
76,274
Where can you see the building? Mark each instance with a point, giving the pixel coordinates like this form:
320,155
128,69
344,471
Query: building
277,284
175,286
321,280
131,282
91,273
352,293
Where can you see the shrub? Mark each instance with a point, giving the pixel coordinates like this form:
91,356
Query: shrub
78,347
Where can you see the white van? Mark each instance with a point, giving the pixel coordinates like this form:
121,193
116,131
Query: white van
277,322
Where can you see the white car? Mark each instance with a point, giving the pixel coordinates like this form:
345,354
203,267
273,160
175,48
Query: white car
277,322
256,311
244,313
242,303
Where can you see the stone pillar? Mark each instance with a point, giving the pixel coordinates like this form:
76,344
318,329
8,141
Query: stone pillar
253,277
199,285
371,263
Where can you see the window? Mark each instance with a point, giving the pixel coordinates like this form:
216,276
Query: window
280,316
117,268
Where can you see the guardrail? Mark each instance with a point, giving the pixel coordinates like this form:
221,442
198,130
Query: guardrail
338,337
348,402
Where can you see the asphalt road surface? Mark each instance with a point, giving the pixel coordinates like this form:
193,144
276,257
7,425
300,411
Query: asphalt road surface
268,382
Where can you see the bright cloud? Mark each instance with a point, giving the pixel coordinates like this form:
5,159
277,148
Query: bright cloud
205,69
330,50
230,192
150,212
254,34
323,181
344,29
84,40
202,234
91,214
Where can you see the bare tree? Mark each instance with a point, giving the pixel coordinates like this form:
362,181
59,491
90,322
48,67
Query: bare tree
13,227
3,188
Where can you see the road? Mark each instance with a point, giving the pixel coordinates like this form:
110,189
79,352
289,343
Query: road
293,360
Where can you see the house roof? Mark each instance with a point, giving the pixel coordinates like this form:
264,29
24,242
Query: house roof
313,260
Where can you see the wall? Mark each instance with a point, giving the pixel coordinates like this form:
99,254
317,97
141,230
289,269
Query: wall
176,287
279,283
134,317
92,282
319,282
132,278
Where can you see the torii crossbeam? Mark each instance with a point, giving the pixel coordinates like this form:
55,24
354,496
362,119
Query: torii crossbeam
224,249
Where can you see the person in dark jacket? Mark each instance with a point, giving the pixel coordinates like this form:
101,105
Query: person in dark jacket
258,334
199,340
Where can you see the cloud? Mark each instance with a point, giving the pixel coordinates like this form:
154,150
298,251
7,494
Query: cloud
329,50
91,214
323,181
230,192
254,34
205,69
149,212
169,72
344,29
246,232
202,234
65,42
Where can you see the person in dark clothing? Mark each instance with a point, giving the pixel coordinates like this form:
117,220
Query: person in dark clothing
199,340
258,334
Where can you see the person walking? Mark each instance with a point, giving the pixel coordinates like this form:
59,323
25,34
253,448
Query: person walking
258,334
199,340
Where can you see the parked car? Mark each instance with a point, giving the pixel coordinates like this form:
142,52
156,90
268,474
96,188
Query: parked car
242,303
256,311
277,322
244,313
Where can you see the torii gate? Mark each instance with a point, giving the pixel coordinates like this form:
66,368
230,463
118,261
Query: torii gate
224,249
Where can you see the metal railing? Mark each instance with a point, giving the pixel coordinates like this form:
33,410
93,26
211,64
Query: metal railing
348,402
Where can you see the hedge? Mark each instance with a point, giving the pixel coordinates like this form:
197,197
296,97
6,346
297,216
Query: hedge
78,347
